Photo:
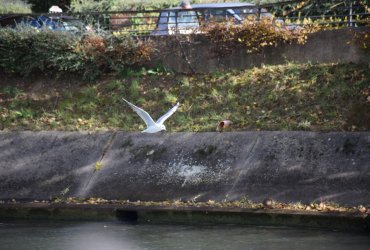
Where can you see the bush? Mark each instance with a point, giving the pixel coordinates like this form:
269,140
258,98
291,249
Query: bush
25,51
254,35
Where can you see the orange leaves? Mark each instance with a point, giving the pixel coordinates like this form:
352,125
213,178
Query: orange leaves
252,35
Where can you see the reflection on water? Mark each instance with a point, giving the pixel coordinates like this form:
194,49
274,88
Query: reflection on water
41,235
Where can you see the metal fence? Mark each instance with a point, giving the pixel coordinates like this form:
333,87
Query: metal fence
176,20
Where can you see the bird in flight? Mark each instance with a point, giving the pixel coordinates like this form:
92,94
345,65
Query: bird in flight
152,126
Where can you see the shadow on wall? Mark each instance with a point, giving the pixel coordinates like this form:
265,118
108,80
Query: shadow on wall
42,165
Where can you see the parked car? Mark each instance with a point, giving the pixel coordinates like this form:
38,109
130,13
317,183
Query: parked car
185,21
52,22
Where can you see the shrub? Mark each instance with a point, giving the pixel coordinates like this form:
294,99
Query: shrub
253,35
25,51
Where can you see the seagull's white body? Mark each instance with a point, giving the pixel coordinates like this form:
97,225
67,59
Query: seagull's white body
152,126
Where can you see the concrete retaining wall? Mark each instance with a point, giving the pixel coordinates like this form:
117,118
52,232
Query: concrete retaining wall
286,166
197,55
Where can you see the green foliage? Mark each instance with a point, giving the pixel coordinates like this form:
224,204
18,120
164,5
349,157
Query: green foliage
14,6
330,14
90,5
25,51
142,4
307,8
11,92
134,89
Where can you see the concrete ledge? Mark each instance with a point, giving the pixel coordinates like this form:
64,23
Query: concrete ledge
192,215
286,166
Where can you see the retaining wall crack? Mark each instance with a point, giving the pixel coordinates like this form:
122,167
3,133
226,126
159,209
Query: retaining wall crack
242,172
105,150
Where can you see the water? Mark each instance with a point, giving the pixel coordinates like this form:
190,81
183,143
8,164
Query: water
41,235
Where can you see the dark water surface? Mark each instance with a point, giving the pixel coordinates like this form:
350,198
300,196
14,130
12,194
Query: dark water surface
40,235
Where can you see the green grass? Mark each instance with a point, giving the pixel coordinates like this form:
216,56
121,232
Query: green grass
315,97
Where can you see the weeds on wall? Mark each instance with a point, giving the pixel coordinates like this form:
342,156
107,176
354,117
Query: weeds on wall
362,39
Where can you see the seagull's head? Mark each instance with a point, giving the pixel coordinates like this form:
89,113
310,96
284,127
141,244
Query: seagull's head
163,127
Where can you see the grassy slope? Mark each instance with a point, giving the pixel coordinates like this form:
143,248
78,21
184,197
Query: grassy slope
318,97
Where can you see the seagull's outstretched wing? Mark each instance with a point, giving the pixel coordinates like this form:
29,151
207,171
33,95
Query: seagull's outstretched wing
168,114
142,113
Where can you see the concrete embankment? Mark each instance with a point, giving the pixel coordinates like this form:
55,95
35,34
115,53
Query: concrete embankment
285,166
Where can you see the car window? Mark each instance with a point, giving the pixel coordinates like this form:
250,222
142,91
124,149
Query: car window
231,13
73,25
69,26
185,19
172,22
217,15
251,13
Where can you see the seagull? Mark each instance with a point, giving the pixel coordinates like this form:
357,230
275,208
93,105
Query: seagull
152,126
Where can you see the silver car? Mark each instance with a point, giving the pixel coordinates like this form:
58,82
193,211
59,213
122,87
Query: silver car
185,21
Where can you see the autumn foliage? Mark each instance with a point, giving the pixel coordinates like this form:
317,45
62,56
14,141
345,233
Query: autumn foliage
255,35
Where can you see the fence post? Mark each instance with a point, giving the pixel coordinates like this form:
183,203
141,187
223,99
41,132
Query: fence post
258,10
350,24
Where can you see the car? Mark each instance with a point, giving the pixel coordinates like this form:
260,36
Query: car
186,21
